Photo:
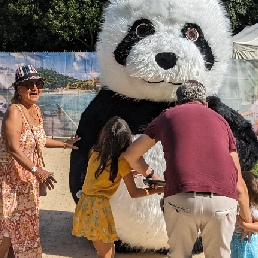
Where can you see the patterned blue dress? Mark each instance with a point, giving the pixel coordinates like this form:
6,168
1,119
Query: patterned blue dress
244,249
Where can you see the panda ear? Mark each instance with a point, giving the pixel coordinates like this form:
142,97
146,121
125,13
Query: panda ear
224,2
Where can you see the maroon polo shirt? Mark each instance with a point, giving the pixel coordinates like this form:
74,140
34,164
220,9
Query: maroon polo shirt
196,143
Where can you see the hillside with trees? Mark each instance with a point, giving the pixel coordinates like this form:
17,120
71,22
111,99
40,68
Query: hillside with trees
68,25
55,80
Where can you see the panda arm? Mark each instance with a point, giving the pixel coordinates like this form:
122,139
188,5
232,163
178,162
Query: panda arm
135,192
92,120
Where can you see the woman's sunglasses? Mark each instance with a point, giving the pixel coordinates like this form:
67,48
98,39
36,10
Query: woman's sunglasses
30,84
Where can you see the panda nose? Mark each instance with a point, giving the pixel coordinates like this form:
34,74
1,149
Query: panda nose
166,60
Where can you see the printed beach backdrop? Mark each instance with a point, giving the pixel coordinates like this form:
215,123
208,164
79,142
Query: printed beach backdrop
72,81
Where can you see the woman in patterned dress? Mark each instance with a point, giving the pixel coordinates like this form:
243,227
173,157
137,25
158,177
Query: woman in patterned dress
21,142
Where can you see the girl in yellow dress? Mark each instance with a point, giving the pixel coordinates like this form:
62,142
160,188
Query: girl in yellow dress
93,217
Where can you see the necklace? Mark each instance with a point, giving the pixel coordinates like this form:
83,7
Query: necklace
34,115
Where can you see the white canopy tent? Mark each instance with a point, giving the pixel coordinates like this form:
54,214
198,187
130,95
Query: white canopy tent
245,43
240,89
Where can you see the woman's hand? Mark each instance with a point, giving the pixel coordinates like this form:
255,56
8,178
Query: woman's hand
70,142
45,177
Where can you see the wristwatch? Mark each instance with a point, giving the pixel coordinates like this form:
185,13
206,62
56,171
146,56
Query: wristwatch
34,169
150,175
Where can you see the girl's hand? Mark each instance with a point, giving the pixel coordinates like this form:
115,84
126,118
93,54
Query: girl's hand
45,177
70,142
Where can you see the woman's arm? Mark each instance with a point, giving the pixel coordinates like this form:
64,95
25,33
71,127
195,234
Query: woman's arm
51,143
139,192
11,128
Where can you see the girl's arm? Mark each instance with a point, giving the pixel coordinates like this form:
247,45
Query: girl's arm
253,227
51,143
139,192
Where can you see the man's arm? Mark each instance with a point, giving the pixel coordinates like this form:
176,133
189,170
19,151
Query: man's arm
243,198
134,153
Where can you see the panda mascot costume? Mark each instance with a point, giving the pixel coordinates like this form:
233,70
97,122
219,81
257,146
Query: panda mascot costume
145,50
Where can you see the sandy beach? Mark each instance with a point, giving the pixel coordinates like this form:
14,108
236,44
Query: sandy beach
56,213
63,91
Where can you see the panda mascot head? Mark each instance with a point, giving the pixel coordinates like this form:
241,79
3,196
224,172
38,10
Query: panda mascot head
145,50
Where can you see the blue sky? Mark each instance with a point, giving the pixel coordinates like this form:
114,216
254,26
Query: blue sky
80,65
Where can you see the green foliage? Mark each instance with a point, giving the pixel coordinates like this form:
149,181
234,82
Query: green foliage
49,25
255,169
73,25
242,13
54,79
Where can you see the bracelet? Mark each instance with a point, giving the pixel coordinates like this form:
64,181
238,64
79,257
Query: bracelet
34,169
65,145
151,174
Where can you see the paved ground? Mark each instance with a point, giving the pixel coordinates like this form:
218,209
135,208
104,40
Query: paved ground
56,216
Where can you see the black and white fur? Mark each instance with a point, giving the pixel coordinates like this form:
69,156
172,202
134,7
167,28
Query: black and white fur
145,50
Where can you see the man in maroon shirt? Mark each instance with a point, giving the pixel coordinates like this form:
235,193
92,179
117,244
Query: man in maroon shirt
203,175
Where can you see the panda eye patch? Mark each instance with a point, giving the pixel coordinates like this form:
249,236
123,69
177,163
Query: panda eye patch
192,34
142,30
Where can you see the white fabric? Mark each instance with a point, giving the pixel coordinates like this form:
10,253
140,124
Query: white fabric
245,43
6,233
254,213
79,194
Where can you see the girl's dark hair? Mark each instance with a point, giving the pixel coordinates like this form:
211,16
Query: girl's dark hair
115,137
15,98
251,181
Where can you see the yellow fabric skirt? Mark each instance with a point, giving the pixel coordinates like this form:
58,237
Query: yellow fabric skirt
94,220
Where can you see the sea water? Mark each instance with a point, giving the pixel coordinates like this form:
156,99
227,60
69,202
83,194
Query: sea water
72,103
61,121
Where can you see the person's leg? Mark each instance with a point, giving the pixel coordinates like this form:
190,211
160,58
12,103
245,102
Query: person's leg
104,250
4,246
181,214
11,253
219,217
